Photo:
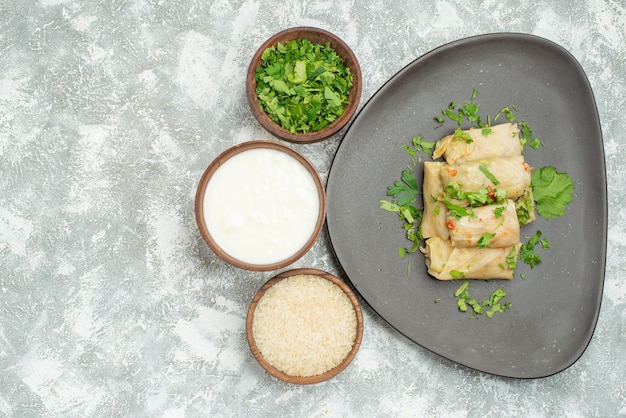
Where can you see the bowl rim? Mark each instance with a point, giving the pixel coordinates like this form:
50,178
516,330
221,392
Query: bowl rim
217,163
349,59
307,380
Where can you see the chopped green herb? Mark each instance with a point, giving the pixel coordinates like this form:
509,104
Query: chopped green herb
476,306
488,174
508,114
403,194
494,302
552,191
494,305
497,212
409,150
468,110
536,143
460,134
389,206
511,259
527,252
411,218
524,206
527,137
480,197
452,114
303,86
485,239
457,274
437,300
426,147
462,289
455,211
462,305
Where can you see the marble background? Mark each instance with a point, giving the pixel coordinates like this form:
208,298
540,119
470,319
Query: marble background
110,302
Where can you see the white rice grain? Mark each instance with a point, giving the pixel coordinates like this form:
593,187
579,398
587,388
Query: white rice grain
304,325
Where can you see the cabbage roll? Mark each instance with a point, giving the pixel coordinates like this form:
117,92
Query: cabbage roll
434,215
493,226
448,263
511,174
502,141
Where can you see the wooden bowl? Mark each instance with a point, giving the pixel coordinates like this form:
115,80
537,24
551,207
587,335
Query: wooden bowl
318,36
308,379
203,222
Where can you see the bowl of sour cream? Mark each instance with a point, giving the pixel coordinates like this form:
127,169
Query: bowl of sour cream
260,205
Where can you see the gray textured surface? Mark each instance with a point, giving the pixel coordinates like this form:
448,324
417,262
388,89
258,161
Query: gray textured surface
110,302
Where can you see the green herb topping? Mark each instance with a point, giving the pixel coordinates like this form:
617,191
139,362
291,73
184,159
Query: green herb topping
303,86
552,191
488,174
493,304
527,252
485,239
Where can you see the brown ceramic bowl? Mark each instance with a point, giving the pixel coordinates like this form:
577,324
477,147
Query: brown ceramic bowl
202,221
318,36
308,379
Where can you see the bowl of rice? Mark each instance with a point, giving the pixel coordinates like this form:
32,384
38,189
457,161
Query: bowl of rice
304,326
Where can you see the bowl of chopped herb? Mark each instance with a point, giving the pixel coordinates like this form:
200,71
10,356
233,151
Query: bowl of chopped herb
303,84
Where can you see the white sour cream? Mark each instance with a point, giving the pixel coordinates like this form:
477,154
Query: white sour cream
261,206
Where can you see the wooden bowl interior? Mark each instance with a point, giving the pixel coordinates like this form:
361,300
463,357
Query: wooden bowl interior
319,36
212,168
309,379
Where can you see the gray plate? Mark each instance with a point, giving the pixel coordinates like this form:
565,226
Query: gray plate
555,309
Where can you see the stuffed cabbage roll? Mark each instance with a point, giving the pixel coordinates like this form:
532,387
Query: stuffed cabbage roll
501,141
445,262
511,174
492,226
434,215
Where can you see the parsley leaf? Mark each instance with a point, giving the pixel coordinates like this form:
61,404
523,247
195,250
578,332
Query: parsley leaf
488,174
404,191
524,206
511,259
552,191
485,239
527,137
460,134
507,112
497,212
426,147
527,252
411,218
